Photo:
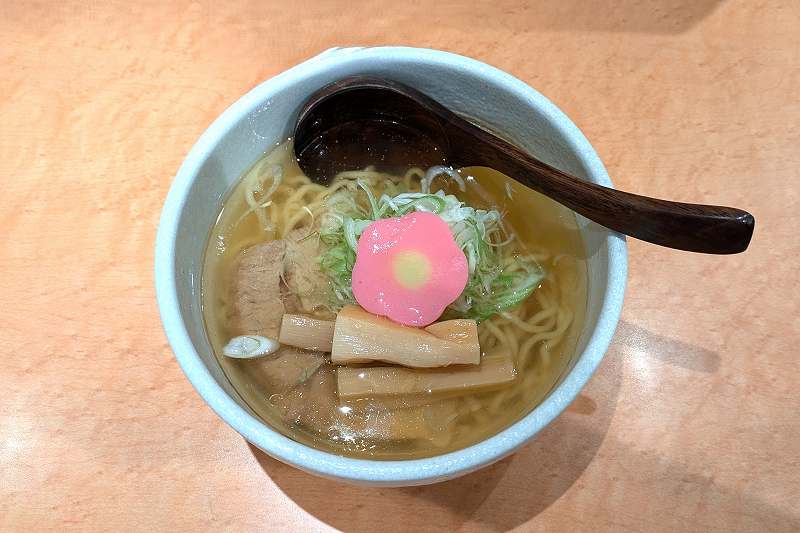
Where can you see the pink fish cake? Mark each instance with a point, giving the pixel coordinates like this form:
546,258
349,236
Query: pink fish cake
409,268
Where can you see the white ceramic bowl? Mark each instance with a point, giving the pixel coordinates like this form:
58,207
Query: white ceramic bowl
265,116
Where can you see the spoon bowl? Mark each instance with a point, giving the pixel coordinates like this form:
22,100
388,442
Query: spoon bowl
362,121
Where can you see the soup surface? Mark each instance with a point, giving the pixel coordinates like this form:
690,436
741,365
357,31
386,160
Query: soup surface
270,226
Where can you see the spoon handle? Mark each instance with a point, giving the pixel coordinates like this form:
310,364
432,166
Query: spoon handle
693,227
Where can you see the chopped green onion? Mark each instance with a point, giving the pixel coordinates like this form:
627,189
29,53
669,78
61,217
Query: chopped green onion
491,287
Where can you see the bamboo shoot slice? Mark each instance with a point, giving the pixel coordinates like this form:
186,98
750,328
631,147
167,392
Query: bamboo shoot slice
307,333
361,337
495,371
458,330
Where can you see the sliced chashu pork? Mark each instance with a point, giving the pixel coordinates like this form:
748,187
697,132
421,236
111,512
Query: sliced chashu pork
303,278
314,406
255,290
257,308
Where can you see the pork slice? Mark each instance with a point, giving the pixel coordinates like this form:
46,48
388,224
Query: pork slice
312,405
287,369
255,290
303,277
291,302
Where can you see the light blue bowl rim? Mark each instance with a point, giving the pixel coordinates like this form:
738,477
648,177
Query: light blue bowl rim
362,470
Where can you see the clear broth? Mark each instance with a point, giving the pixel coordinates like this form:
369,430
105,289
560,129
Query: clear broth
417,426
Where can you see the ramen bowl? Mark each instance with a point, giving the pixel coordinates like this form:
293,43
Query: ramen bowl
266,116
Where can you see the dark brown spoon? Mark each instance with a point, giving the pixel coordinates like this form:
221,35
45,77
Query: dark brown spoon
365,120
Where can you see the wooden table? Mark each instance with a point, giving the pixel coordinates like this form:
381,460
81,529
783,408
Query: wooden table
691,423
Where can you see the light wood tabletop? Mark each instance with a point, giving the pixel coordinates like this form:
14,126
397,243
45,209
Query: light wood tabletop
690,424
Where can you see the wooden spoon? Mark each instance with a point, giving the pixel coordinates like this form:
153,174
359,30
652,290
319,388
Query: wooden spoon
363,120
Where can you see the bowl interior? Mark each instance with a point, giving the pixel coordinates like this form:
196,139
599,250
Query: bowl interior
266,116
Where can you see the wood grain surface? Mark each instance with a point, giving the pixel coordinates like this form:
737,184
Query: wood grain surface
690,424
